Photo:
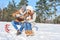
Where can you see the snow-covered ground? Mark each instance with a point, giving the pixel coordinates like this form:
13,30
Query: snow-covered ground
44,32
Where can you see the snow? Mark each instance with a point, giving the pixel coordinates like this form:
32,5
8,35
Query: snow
44,32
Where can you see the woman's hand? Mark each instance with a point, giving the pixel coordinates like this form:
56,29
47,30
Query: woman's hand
21,17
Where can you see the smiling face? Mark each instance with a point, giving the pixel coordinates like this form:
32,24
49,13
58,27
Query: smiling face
30,12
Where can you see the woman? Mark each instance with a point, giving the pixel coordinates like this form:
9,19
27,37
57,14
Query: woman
29,19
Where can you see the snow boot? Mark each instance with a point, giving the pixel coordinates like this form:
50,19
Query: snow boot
18,32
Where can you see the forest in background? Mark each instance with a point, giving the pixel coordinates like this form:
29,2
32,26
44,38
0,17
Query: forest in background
45,10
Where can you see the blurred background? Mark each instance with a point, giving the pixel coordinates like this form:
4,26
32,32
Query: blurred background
48,11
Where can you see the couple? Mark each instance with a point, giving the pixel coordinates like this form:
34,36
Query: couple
24,19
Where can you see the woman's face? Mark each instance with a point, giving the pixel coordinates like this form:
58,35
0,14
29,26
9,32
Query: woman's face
29,11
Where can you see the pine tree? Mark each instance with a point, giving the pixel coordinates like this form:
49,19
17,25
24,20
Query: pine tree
57,20
45,9
0,14
22,3
55,3
11,8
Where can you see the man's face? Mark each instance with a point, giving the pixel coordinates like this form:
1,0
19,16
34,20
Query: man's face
22,9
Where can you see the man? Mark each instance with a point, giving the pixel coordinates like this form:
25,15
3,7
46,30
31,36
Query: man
18,20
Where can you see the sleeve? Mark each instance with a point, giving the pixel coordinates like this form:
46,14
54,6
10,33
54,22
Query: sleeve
34,18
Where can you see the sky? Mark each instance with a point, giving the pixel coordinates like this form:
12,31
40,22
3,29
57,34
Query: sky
4,3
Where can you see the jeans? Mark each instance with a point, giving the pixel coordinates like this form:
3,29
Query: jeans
25,25
14,23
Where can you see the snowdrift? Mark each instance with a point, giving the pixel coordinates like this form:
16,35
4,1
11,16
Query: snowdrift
44,32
